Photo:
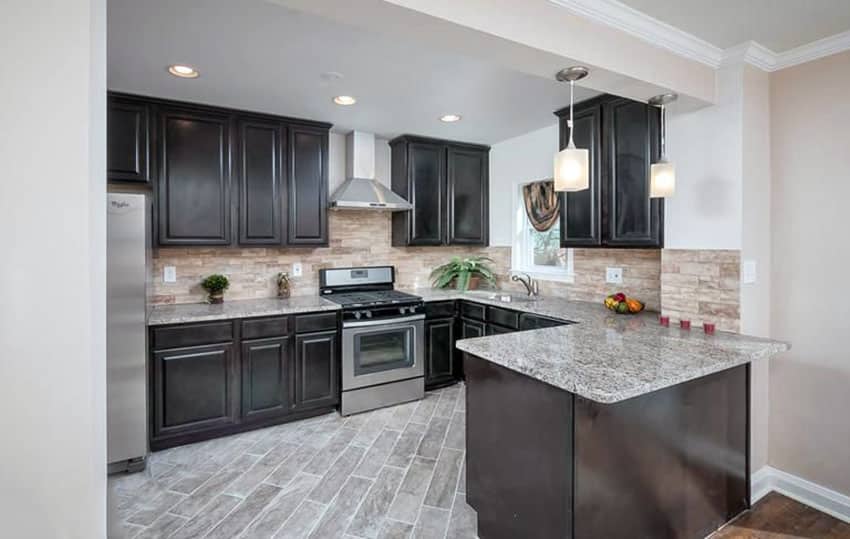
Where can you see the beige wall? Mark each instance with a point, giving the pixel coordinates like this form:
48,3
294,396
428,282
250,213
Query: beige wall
755,242
810,385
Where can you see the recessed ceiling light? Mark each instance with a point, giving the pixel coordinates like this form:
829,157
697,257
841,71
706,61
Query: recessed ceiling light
183,71
344,100
449,118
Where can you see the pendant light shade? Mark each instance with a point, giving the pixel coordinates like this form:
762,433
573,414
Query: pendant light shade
662,175
662,179
572,170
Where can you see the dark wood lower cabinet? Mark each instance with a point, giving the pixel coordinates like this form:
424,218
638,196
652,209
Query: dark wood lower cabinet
194,390
211,379
670,463
316,370
265,376
439,352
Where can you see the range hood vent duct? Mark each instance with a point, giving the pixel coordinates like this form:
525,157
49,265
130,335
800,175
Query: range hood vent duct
360,190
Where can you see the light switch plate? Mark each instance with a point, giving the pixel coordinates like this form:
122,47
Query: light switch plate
296,269
169,274
749,274
614,275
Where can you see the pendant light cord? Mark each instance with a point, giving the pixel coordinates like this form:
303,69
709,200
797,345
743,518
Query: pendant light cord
571,144
663,133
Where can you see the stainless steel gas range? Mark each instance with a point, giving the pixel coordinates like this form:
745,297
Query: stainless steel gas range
383,338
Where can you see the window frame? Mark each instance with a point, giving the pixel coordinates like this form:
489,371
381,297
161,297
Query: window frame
522,250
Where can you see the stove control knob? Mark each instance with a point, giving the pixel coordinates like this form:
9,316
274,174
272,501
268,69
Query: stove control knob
368,314
357,315
401,310
412,309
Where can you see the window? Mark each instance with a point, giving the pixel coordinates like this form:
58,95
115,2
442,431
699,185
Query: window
539,253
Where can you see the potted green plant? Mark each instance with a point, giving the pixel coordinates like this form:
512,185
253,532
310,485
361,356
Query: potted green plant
215,285
463,273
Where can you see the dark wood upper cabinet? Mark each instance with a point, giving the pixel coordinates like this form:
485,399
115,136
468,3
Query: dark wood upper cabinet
632,133
447,183
623,137
194,179
260,173
468,186
581,224
223,176
128,135
308,186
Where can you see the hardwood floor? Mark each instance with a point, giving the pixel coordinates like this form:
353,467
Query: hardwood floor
778,517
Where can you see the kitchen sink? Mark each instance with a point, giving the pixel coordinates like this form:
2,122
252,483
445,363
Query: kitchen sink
504,297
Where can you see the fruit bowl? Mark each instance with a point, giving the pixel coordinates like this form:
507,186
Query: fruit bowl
622,304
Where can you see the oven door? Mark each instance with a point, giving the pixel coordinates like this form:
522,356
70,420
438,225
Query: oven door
381,351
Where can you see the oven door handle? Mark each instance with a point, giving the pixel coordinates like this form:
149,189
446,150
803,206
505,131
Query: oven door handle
383,322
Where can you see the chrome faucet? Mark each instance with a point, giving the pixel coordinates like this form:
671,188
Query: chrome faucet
529,283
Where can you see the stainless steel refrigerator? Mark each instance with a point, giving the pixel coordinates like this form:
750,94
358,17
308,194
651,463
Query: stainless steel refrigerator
128,273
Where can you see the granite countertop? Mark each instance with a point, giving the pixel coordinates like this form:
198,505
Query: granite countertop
238,308
606,357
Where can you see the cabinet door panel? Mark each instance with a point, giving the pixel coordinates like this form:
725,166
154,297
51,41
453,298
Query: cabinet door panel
468,330
316,370
265,368
260,179
428,192
580,210
308,186
194,182
633,219
467,196
128,141
439,351
193,389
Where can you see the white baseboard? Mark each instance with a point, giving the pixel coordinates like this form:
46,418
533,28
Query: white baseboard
821,498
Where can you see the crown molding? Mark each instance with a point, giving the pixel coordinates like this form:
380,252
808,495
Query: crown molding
638,24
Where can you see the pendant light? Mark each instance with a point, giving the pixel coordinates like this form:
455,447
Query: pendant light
571,163
662,175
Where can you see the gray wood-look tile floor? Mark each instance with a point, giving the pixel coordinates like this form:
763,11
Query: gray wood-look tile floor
392,473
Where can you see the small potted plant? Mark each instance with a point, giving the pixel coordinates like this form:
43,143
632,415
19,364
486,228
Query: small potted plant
464,273
215,285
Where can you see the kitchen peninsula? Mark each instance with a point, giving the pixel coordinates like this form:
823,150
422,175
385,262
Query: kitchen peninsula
612,426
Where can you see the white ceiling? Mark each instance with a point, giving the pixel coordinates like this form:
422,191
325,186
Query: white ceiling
779,25
259,56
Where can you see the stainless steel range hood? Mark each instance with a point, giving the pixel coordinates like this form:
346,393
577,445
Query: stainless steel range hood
360,191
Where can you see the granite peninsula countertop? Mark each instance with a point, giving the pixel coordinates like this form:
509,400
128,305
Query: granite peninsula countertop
603,356
184,313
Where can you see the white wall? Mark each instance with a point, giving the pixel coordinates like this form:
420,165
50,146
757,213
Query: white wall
705,146
518,160
52,277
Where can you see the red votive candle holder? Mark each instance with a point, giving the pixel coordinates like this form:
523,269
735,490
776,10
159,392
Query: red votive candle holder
664,321
685,324
708,327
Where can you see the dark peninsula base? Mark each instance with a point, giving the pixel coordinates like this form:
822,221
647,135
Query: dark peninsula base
543,462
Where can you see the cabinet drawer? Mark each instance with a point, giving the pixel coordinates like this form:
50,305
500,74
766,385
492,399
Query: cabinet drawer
533,321
439,309
495,329
259,328
472,310
192,335
307,323
503,317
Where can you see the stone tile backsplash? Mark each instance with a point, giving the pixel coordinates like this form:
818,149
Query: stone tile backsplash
702,286
364,239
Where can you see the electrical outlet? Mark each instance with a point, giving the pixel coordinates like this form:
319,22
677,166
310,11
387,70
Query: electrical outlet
169,274
748,272
296,269
614,275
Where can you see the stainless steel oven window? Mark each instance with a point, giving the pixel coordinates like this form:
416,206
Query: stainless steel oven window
383,350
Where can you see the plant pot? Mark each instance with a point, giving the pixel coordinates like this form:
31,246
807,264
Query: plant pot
474,281
216,298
